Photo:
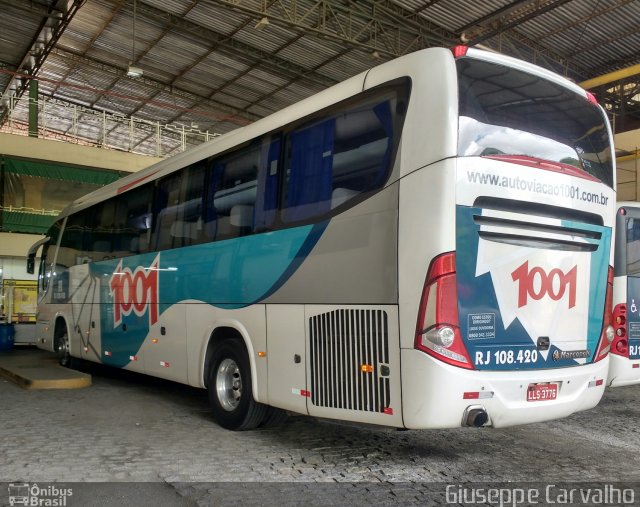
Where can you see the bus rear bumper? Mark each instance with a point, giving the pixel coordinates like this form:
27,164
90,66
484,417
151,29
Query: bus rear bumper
433,392
622,371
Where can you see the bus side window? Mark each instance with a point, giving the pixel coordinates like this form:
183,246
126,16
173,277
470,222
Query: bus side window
633,246
178,208
309,171
70,252
133,221
267,190
168,211
231,196
190,227
99,242
333,161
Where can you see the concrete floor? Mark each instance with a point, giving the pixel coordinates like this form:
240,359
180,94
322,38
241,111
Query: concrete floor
136,429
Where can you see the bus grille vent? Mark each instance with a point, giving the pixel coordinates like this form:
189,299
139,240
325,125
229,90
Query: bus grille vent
350,360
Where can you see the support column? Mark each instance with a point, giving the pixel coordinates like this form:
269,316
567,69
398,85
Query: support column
33,108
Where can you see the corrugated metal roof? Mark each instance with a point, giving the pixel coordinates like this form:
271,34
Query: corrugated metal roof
212,63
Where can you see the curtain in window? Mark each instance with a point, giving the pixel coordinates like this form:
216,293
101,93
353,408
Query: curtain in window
309,189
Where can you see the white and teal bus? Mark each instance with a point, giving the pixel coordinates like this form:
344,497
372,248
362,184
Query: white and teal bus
425,245
624,368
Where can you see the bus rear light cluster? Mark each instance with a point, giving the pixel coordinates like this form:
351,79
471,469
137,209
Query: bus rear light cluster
438,329
459,51
592,98
608,334
620,345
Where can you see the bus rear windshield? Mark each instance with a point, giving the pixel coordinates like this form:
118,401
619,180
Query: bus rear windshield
504,111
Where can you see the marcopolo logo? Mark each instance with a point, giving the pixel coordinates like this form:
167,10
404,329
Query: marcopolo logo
570,354
40,496
135,291
536,284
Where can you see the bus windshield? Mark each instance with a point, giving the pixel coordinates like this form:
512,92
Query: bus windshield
505,111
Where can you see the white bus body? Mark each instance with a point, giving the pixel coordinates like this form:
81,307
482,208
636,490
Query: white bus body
425,245
624,368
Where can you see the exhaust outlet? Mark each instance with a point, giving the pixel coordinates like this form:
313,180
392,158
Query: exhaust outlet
475,416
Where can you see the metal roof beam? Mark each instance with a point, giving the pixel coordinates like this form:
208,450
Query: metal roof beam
496,15
153,84
54,22
233,47
516,20
563,64
587,18
371,25
90,43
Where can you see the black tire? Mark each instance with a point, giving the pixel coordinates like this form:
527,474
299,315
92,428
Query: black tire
229,387
62,347
274,417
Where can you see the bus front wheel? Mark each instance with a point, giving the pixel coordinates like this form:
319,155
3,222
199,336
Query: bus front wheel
62,346
229,388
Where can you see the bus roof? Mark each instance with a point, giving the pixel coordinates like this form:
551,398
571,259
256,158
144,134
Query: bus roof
393,69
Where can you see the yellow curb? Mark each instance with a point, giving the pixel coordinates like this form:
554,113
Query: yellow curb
45,376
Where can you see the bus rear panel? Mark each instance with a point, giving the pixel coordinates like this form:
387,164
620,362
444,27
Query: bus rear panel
514,321
624,368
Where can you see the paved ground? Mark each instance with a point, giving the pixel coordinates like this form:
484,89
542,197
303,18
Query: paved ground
133,428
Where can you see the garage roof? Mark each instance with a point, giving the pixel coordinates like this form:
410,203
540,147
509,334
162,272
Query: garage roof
213,65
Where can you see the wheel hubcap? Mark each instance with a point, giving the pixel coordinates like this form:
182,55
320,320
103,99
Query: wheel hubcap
229,384
63,347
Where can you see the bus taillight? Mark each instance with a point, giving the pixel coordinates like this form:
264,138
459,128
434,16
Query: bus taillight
620,343
607,335
438,328
459,51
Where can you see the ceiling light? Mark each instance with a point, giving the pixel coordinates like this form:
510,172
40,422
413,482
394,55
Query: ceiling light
375,55
134,71
262,23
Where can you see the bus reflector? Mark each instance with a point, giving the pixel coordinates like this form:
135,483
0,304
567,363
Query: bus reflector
164,364
366,368
133,358
387,410
438,328
592,98
620,345
477,395
636,365
154,340
596,383
459,51
607,334
262,354
301,392
107,353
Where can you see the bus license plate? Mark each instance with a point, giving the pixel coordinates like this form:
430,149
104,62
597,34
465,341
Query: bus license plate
542,392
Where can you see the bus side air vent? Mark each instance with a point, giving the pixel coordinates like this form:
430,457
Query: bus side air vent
349,354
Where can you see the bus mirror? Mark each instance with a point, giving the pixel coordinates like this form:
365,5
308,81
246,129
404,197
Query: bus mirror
31,263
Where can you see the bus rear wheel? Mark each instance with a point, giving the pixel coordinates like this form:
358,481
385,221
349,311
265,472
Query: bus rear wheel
229,388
